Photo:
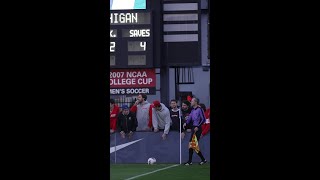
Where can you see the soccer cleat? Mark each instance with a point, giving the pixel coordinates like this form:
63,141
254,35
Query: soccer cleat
188,163
203,162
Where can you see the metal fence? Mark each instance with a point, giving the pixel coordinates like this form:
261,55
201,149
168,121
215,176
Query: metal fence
123,100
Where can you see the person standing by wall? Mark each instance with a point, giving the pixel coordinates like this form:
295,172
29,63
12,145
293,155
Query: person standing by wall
114,111
161,118
206,125
143,110
196,118
127,122
175,115
185,111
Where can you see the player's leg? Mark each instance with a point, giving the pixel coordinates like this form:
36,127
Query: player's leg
198,134
190,150
190,156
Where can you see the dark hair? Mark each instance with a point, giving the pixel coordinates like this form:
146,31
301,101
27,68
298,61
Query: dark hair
112,101
173,100
203,107
186,102
144,96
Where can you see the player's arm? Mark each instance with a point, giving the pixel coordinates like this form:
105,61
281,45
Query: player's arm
154,119
202,117
115,112
113,124
167,123
188,119
150,123
134,108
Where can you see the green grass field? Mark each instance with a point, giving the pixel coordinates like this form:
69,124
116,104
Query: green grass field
193,172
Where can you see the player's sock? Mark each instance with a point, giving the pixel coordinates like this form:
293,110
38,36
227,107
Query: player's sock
190,154
201,156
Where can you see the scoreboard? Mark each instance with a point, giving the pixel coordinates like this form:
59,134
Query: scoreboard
131,39
155,33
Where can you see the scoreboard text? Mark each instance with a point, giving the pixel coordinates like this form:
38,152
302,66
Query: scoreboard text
131,39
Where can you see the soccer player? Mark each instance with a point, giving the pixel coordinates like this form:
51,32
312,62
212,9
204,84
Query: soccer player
161,118
196,118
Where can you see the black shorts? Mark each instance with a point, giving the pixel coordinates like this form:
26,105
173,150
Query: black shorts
198,133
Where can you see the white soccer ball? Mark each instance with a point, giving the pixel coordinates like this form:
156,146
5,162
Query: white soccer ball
152,160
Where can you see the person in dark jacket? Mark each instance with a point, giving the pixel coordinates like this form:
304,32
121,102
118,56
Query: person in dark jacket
127,122
185,111
175,114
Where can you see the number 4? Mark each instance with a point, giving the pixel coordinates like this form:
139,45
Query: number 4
143,45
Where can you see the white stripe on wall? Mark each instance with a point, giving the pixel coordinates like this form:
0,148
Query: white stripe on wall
180,27
180,38
180,7
180,17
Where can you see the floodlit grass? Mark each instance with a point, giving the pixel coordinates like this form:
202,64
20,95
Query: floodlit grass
193,172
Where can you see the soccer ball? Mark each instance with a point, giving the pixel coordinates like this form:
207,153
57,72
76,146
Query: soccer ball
152,160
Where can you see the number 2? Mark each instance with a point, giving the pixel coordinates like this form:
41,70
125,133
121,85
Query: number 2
112,46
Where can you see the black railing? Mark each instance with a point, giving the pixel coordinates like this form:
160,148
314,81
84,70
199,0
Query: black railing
123,100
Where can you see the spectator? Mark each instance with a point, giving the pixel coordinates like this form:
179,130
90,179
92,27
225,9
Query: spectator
203,107
114,111
206,125
197,118
189,98
161,118
127,122
143,113
185,111
175,115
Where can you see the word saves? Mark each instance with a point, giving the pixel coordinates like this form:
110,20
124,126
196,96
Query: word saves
139,33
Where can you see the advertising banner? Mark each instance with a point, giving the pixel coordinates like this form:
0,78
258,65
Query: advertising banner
144,145
132,81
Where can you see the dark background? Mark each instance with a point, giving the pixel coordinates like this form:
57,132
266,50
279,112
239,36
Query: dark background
54,66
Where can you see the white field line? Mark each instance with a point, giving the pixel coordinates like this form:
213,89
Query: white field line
134,177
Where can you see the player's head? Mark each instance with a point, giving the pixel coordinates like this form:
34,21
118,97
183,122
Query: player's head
157,105
185,105
125,109
142,97
173,103
112,102
194,102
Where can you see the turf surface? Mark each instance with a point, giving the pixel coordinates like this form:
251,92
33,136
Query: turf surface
193,172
